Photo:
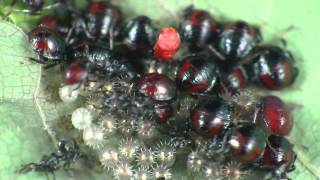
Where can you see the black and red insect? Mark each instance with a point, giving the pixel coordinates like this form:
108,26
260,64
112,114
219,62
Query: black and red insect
138,36
157,86
247,142
48,44
237,40
274,67
102,20
279,157
197,74
236,78
198,28
211,118
76,72
274,116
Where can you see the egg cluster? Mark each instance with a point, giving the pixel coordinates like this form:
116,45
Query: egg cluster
179,92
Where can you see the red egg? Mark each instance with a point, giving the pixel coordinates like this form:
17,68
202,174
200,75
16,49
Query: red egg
167,44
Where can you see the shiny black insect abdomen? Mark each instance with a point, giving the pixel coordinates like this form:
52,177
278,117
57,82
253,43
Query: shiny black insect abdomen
102,59
139,35
237,40
274,68
48,44
198,28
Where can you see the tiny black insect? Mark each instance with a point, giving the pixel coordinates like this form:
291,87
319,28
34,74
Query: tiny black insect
101,59
66,155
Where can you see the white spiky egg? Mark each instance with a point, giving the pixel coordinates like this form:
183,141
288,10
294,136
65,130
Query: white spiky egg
96,100
69,93
146,129
233,171
166,153
123,171
245,99
109,123
108,157
142,174
145,157
82,118
126,126
195,162
212,171
162,172
93,136
128,148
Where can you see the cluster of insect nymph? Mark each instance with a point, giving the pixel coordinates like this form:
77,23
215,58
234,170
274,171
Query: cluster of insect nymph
187,90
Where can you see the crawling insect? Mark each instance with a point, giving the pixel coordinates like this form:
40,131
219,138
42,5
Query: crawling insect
67,154
35,7
94,59
279,157
47,164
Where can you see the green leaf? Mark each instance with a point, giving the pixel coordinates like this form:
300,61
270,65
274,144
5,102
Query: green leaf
23,138
20,120
28,105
